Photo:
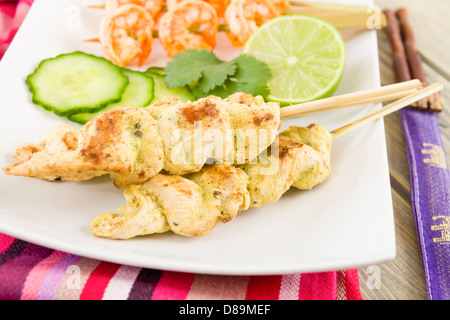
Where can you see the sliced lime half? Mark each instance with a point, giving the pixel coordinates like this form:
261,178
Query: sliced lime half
306,56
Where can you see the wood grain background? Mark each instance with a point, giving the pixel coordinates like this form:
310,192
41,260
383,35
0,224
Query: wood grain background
403,278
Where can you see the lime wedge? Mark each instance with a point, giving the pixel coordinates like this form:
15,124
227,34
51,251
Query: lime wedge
306,56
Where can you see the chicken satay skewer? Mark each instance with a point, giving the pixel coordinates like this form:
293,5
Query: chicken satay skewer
106,144
192,205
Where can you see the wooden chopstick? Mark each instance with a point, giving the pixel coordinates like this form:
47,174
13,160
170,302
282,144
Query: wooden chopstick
382,94
435,102
390,108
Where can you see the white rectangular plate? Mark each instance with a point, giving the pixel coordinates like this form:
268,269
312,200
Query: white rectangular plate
345,222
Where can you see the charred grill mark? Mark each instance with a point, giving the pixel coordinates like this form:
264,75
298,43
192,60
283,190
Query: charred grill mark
260,119
32,149
193,113
70,140
108,132
141,174
285,146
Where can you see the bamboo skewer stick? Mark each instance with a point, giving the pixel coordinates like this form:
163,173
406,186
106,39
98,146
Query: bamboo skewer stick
390,108
342,16
342,20
327,6
382,94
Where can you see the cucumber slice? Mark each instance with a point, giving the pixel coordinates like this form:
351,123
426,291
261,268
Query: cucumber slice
138,93
156,70
76,82
163,92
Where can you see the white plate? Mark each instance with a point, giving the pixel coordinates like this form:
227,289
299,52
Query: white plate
346,222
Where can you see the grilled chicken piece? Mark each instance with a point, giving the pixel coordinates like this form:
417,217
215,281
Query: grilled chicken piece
219,129
189,206
194,132
141,215
317,167
256,126
189,211
54,158
59,139
226,183
275,174
122,141
301,160
158,108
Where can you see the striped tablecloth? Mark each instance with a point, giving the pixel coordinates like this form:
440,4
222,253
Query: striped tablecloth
33,272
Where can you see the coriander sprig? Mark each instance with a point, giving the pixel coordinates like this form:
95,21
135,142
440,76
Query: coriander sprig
206,74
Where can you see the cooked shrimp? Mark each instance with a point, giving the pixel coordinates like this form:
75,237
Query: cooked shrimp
218,5
175,26
154,7
126,34
171,4
245,16
281,5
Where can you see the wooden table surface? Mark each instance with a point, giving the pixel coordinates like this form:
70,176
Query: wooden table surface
403,278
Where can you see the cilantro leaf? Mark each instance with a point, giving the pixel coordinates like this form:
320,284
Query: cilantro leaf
251,77
198,66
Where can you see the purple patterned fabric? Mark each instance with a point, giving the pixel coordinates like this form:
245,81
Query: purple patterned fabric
430,197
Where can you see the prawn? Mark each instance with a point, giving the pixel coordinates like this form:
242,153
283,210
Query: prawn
171,4
218,5
281,5
243,18
126,33
154,7
175,27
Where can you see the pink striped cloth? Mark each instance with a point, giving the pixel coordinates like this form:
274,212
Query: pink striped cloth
12,14
32,272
